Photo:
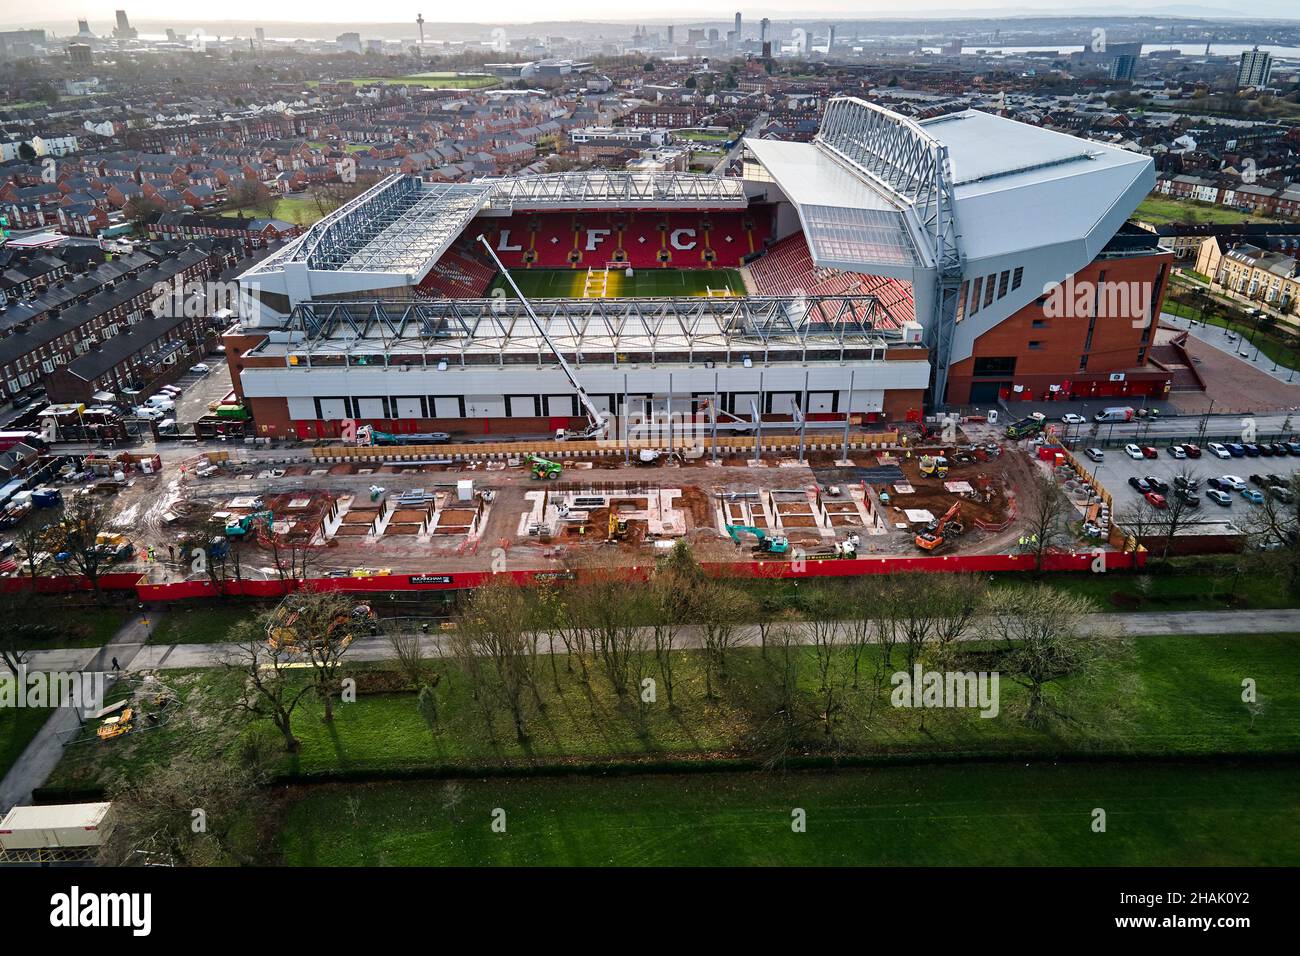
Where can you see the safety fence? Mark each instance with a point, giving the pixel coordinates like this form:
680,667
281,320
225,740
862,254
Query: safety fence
795,568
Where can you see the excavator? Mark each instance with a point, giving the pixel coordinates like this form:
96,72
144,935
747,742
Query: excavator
937,533
767,544
617,527
244,525
539,467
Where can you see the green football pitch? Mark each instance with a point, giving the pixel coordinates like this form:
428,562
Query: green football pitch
574,284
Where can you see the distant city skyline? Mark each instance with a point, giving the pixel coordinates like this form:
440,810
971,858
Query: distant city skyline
54,13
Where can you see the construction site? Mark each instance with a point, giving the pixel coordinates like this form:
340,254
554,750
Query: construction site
346,510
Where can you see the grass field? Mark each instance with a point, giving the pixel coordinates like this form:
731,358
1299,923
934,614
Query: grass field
18,725
975,815
1163,210
1177,695
435,81
570,283
44,624
303,212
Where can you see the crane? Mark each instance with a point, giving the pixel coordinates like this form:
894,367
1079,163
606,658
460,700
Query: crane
947,527
597,426
767,544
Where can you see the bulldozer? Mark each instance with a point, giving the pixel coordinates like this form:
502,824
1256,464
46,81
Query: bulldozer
767,544
940,532
543,468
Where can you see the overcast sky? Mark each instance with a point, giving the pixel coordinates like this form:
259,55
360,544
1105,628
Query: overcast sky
56,12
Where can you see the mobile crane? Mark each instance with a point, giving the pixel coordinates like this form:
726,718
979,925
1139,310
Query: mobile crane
937,533
597,425
767,544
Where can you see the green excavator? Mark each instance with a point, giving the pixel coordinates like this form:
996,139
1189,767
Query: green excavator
244,525
767,543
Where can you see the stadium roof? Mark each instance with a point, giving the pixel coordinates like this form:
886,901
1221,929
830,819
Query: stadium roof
1015,187
391,235
595,329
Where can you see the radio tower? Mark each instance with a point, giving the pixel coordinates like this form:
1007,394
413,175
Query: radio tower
419,22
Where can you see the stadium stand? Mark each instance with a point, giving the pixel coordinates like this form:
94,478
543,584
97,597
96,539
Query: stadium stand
644,240
460,273
787,269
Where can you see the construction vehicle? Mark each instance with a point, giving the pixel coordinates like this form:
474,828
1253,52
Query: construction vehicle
597,425
848,548
767,544
937,533
544,468
369,435
934,466
242,526
1027,427
617,527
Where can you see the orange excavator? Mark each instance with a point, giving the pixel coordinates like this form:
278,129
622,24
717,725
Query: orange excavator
937,533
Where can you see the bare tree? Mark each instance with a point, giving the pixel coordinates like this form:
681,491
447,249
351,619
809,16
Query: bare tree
957,598
320,626
722,611
494,626
408,650
1273,535
1178,512
155,813
76,534
271,690
1043,509
825,632
1044,640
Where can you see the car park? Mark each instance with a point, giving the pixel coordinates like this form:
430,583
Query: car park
1253,496
1219,497
1177,451
1193,450
1095,454
1134,452
1219,450
1156,500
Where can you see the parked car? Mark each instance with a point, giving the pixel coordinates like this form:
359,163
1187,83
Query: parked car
1279,449
1191,498
1157,484
1266,449
1234,482
1095,454
1177,451
1140,484
1253,496
1219,450
1276,481
1156,500
1293,447
1236,449
1219,497
1284,495
1149,452
1133,451
1193,450
1184,483
201,369
1251,449
1258,481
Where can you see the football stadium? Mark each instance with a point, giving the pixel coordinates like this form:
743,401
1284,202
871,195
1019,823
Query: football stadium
888,267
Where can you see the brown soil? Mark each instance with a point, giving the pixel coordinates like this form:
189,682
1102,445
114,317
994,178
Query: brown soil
698,505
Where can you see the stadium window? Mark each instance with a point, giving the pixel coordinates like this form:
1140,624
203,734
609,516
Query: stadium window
975,295
961,300
1142,356
1083,363
995,365
1017,277
1039,323
1035,346
1003,281
989,289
